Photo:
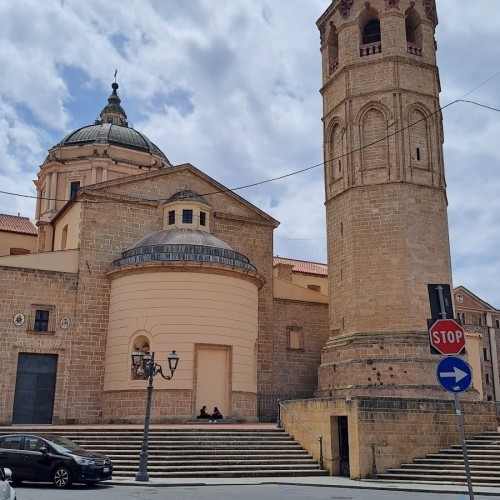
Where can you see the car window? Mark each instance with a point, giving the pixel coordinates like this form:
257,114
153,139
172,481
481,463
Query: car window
63,445
11,442
32,443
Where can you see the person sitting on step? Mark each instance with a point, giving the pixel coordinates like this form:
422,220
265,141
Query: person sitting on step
203,414
216,415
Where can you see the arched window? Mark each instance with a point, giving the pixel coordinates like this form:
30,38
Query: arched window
335,163
419,141
371,32
141,343
64,237
373,130
333,49
413,32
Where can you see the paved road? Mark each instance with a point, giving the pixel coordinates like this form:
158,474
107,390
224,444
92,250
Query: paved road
244,492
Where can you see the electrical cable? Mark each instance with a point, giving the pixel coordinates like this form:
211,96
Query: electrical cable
284,176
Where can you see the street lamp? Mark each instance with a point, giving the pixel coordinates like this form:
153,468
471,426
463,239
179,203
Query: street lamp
144,367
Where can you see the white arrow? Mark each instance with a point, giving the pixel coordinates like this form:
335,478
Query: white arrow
457,374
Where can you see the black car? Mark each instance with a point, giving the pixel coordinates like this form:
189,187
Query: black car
52,458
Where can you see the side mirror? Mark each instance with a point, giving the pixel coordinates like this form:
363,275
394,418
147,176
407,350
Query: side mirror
43,449
7,473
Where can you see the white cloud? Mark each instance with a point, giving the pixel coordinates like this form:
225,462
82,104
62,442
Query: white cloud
233,87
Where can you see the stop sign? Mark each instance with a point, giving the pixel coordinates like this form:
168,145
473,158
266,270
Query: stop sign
447,337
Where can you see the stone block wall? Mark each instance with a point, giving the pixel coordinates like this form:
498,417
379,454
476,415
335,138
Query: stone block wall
296,370
396,429
23,291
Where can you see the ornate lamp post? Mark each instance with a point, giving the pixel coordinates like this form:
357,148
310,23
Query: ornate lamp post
144,367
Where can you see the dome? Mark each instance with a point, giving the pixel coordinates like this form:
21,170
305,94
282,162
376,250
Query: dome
183,245
109,133
112,128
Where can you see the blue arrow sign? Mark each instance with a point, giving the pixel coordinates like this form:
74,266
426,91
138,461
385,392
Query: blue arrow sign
454,374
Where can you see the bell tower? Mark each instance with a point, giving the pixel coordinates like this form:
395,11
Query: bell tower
387,227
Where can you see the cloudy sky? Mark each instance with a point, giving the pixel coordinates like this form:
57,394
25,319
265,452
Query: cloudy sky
231,86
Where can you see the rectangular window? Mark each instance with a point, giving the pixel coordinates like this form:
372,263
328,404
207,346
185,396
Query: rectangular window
41,321
487,378
295,337
480,321
73,189
497,323
486,354
203,219
187,216
171,217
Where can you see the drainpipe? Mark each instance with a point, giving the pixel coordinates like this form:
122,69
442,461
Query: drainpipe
493,356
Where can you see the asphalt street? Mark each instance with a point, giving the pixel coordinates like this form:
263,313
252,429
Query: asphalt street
229,492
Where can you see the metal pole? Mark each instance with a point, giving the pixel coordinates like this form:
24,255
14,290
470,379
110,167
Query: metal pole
321,462
439,288
279,415
143,475
374,463
464,447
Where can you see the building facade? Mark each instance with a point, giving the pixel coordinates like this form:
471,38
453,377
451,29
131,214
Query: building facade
131,255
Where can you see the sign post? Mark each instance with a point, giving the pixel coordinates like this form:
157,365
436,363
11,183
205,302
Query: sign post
455,375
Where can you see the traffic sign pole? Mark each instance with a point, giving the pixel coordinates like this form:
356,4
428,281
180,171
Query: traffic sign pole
455,375
458,411
441,301
462,373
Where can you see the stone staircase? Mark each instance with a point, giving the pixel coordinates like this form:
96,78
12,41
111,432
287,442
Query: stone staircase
447,465
191,453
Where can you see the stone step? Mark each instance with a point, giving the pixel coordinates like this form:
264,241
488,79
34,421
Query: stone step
440,468
222,461
214,452
277,472
191,442
212,456
459,460
447,465
386,477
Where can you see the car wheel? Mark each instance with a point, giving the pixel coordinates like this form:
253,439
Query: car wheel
61,477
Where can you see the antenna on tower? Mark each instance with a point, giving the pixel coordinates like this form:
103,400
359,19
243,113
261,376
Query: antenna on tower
116,71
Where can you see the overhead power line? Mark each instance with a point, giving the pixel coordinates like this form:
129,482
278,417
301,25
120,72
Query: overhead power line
290,174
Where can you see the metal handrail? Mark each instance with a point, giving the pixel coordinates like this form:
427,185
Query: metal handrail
318,438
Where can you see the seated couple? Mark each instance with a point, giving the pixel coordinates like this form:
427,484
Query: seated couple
216,415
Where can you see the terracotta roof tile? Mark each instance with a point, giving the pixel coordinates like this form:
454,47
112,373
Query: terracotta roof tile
303,266
15,224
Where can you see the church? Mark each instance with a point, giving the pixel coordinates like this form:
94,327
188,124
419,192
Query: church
132,254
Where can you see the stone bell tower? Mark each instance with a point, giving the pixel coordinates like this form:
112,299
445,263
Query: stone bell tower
386,200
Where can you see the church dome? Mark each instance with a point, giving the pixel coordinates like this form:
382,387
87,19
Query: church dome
112,128
183,245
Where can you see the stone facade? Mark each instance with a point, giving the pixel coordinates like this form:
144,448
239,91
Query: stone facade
482,320
104,220
22,292
296,366
382,432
